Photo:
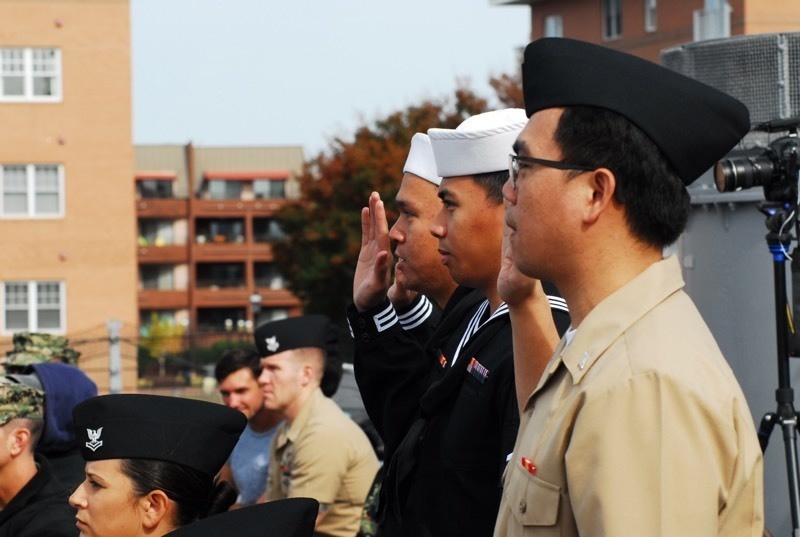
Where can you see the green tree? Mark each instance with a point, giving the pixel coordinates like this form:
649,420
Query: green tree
323,227
161,338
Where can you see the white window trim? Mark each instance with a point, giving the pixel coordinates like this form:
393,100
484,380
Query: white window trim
617,34
650,16
32,307
553,26
30,173
28,95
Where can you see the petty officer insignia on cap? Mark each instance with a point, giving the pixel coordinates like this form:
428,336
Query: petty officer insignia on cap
94,438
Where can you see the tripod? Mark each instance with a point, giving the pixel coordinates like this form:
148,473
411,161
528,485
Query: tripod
779,220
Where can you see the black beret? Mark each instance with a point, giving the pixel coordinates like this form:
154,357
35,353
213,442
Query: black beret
194,433
693,124
291,517
295,333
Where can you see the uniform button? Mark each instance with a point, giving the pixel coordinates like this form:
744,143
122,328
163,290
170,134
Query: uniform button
523,506
362,323
365,338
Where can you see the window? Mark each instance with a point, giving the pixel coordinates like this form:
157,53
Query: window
612,19
553,26
220,275
32,190
154,188
33,306
269,189
220,189
650,15
157,277
30,74
154,232
268,276
220,230
267,230
221,319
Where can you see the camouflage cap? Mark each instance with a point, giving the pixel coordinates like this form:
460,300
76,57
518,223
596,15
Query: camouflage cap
36,348
20,401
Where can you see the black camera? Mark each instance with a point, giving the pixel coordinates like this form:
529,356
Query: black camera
775,168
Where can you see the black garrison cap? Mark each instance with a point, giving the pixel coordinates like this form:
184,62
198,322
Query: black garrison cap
295,333
693,124
292,517
194,433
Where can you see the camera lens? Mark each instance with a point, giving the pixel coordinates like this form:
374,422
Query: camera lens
743,172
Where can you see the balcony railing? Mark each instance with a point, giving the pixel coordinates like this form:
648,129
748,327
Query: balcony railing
157,299
235,207
172,254
162,208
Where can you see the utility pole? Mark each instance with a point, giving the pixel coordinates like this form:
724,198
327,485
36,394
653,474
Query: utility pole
114,357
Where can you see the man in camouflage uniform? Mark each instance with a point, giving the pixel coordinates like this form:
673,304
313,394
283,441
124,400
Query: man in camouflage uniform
32,502
36,348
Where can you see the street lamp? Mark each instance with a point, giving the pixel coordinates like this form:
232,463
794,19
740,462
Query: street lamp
255,306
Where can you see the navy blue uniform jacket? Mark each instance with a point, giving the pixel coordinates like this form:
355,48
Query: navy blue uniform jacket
448,429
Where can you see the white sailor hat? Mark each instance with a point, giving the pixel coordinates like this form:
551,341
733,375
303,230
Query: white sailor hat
480,144
420,159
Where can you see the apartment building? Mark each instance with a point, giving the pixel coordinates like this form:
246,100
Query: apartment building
646,27
66,160
205,224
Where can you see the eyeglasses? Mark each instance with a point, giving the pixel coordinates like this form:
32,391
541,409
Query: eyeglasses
514,161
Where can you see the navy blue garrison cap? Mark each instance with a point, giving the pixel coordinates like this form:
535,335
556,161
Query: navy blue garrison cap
693,124
197,434
295,333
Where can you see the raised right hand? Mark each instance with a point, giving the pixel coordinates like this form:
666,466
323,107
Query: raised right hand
373,270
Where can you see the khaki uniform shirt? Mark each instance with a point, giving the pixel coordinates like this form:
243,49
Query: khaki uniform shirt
637,427
325,455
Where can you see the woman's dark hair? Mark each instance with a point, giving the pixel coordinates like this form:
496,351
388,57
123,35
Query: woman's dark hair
655,199
195,493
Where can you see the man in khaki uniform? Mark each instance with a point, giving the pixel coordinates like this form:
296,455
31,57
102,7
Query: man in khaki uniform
318,451
637,425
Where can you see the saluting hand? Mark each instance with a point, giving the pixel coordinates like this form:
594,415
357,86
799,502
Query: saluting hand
513,286
373,271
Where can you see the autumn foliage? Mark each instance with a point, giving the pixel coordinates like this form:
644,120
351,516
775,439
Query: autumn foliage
323,227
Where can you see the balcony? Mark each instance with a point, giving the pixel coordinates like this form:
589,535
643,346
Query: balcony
222,252
236,207
161,300
168,254
168,208
221,297
239,297
278,298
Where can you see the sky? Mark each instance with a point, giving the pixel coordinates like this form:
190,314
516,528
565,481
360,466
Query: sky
301,72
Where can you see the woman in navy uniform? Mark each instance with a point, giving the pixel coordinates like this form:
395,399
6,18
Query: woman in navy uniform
151,463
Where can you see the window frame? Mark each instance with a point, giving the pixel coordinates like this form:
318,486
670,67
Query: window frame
650,16
31,193
553,26
29,76
33,307
612,11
